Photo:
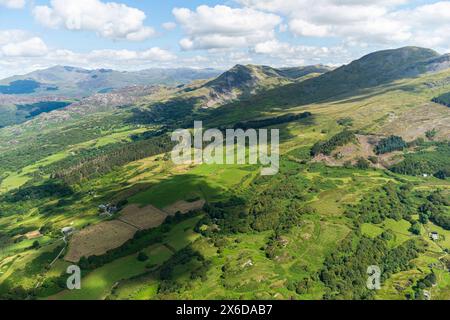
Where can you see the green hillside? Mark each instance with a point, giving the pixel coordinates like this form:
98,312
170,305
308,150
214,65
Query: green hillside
337,205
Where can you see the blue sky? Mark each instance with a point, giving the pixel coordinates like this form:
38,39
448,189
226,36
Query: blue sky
133,34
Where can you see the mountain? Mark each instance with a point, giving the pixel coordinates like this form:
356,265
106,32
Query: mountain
252,77
244,81
240,83
77,82
373,70
434,64
382,66
300,72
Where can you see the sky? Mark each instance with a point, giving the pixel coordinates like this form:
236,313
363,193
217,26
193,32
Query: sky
137,34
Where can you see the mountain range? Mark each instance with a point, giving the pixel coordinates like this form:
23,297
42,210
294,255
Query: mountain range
77,82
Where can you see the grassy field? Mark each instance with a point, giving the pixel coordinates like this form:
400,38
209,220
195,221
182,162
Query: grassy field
99,283
206,181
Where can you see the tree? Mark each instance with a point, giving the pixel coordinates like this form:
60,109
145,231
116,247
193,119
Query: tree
415,228
35,245
431,134
373,159
362,163
142,256
423,218
347,122
442,174
390,144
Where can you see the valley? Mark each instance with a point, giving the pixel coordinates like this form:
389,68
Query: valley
363,180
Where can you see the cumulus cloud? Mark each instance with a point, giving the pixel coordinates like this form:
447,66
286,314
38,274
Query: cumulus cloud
353,21
154,54
108,19
294,55
13,4
18,43
14,35
305,28
224,27
429,24
33,47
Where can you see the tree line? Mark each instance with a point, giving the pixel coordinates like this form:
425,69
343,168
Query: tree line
329,146
100,161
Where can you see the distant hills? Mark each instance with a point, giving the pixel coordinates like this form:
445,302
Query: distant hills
42,91
77,82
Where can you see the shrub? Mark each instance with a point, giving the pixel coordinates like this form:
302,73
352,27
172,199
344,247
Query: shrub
142,256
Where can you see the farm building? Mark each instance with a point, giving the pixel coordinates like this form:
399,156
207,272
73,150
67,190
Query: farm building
67,231
107,209
434,236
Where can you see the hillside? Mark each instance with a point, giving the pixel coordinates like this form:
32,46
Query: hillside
240,83
377,70
363,180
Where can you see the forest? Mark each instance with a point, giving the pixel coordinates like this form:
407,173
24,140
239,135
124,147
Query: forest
426,162
95,162
443,99
329,146
390,144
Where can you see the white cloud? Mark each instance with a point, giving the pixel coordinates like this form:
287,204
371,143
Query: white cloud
13,4
18,43
295,55
350,20
154,54
33,47
429,24
14,35
224,27
108,19
304,28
